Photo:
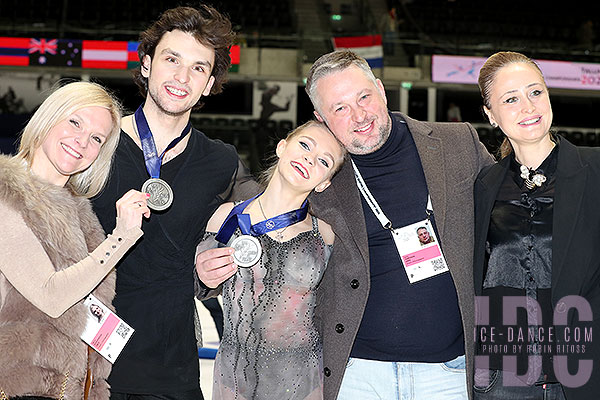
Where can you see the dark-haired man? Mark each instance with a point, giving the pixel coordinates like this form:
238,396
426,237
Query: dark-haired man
184,55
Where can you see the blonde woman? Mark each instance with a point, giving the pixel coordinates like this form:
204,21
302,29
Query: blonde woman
54,251
271,348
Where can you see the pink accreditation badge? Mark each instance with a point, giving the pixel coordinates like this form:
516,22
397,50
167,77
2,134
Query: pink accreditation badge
417,244
419,250
104,331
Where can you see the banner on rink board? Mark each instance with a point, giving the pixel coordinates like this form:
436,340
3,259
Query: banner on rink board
557,74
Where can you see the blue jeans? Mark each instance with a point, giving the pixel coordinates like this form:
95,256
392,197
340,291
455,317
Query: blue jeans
495,390
371,379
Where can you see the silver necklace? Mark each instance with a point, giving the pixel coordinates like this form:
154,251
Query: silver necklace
278,234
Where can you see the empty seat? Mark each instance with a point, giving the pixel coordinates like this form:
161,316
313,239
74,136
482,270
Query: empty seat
221,123
562,133
203,122
253,125
484,134
576,137
271,126
591,139
285,126
238,124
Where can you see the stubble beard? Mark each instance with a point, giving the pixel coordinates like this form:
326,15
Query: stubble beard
360,148
159,104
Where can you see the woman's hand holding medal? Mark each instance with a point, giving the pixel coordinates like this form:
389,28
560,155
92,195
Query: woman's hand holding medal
131,208
215,266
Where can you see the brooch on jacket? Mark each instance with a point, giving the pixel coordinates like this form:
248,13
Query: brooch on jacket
531,177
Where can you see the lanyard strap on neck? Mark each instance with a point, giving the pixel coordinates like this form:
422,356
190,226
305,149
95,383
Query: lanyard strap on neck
366,193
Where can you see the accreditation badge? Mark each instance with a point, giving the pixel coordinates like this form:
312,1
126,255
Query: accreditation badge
420,251
104,330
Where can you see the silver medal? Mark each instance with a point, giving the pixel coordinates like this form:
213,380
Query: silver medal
161,194
247,250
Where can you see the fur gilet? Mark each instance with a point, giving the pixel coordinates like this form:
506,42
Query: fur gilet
36,351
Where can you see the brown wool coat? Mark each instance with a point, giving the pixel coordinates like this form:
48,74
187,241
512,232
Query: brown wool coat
452,156
36,350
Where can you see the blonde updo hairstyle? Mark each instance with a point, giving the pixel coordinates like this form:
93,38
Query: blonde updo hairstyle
487,76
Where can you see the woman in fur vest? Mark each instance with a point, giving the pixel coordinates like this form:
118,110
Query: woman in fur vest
53,249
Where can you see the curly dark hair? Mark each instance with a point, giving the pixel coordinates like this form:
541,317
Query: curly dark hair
205,24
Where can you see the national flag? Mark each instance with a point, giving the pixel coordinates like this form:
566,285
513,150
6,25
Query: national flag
42,46
133,60
14,51
234,53
55,52
104,54
368,47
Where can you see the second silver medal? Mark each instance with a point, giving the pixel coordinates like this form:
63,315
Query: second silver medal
247,250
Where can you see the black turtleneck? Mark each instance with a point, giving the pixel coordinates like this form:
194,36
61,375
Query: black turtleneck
417,322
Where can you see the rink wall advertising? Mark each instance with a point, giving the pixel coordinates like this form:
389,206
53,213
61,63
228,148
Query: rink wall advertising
558,74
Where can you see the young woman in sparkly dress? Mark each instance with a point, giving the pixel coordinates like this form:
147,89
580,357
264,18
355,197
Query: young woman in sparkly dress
271,348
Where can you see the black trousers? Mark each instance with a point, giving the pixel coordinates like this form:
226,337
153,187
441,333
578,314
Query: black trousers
494,389
216,312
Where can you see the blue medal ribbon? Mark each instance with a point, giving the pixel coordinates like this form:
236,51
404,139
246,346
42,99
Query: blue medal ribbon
236,219
152,159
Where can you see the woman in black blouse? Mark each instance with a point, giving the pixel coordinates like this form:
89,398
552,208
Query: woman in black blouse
537,247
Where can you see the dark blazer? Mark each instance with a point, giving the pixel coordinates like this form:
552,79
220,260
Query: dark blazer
452,156
575,239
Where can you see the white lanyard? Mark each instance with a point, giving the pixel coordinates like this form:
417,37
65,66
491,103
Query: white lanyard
364,190
421,258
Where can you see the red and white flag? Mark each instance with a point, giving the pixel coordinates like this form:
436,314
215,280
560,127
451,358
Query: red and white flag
104,54
368,47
